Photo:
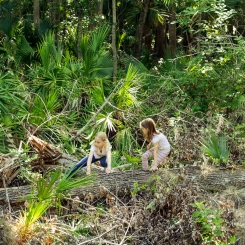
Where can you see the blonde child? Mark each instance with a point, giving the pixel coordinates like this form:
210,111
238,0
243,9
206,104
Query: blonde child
100,151
158,146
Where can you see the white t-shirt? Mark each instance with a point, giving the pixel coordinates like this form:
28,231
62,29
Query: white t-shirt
97,153
163,143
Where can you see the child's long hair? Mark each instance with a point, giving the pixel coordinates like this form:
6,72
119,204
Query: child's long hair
149,124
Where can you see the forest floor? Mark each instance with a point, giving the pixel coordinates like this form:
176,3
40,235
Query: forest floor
167,209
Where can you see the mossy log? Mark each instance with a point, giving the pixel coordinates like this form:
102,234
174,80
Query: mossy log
209,179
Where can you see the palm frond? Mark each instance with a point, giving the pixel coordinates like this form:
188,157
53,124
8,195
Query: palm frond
98,37
154,17
136,63
106,122
96,60
46,186
33,213
124,140
49,53
24,50
127,94
8,25
216,147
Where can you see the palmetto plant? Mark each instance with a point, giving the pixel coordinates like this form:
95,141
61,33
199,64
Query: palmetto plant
46,192
11,100
216,147
96,59
27,218
126,96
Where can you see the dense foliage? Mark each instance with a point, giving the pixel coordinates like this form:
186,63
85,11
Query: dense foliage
179,62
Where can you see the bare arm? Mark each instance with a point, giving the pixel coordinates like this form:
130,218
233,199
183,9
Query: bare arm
89,162
108,169
149,146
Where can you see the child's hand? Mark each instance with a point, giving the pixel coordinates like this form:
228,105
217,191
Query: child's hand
107,170
88,172
153,168
149,146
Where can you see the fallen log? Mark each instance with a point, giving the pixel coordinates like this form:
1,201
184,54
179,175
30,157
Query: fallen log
49,157
114,182
49,154
207,178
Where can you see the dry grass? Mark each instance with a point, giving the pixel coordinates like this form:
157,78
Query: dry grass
8,233
206,170
234,194
240,225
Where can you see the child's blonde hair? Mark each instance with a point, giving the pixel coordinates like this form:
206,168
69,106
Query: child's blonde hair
102,136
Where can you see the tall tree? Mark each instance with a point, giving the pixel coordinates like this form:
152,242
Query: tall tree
172,28
36,12
79,12
114,47
160,39
140,28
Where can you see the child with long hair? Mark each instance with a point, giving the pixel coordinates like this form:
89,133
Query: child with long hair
100,151
158,146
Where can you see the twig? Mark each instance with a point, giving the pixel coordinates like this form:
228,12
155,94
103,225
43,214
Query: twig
95,208
124,237
6,190
98,236
9,165
100,109
114,195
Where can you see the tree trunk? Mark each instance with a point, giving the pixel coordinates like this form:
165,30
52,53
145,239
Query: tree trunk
36,13
64,20
148,38
115,182
140,28
160,40
100,12
79,30
114,47
52,11
172,29
209,179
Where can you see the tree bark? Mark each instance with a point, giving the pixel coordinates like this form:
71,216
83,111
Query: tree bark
101,3
209,179
172,29
140,28
148,38
36,13
64,6
114,47
79,30
160,40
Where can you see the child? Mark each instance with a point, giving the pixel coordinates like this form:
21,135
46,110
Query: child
100,151
158,146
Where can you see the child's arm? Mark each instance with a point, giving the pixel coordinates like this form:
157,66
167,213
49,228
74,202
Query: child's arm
154,166
108,156
149,146
89,162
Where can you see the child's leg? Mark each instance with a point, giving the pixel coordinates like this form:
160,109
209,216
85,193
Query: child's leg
82,163
161,157
145,158
103,161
